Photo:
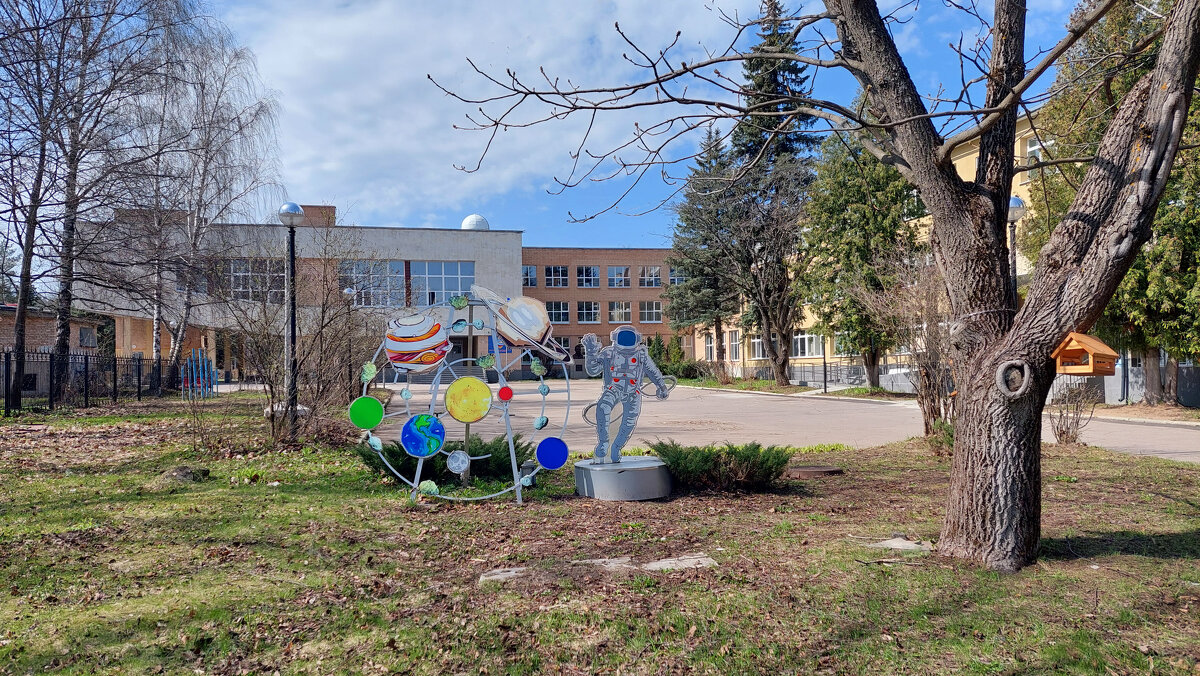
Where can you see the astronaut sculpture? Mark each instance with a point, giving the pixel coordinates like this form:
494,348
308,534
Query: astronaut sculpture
623,366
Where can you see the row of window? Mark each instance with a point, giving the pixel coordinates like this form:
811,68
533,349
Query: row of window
619,311
804,344
588,276
375,283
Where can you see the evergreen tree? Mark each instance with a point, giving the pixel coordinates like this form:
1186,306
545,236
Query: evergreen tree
770,82
705,298
858,207
1157,305
8,274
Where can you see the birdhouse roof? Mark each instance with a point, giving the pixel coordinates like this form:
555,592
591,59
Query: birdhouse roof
1079,341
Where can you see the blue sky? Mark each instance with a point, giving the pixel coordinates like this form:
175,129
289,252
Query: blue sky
362,128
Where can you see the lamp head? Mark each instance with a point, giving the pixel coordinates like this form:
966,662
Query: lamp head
290,214
1016,209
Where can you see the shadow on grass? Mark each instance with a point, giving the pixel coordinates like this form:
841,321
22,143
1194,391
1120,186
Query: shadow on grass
1184,545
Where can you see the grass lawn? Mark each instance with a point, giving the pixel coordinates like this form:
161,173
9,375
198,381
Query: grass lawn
869,393
333,571
1160,412
749,384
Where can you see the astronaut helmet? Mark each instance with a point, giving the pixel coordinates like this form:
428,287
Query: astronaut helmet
626,337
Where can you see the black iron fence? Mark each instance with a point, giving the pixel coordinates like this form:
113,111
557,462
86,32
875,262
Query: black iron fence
83,380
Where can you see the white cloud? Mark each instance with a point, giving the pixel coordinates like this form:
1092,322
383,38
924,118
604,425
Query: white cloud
362,126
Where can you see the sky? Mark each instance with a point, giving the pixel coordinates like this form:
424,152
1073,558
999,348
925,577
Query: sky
362,127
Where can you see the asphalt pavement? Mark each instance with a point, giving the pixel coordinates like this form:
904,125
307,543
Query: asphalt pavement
701,416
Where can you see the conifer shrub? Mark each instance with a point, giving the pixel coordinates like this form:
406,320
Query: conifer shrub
727,467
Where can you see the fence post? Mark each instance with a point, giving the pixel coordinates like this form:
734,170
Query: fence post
4,381
87,382
138,368
50,393
114,382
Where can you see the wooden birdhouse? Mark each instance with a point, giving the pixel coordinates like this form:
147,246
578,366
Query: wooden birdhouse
1083,355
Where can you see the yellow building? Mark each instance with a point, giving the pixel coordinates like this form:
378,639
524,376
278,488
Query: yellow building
814,357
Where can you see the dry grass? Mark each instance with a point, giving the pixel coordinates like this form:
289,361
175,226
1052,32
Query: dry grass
332,571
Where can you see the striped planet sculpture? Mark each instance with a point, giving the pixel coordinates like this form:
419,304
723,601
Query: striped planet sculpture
466,389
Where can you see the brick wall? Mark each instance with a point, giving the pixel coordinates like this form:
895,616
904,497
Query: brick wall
573,294
40,332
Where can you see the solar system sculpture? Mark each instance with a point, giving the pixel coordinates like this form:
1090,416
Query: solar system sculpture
419,342
624,368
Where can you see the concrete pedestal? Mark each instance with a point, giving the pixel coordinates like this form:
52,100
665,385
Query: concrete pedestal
637,477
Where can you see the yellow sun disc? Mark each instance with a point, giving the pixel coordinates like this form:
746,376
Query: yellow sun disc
468,399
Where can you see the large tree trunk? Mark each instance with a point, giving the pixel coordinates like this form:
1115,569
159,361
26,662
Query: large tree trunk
1171,381
1152,374
66,272
871,364
25,285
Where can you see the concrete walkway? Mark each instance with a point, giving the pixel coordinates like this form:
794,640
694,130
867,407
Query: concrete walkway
704,416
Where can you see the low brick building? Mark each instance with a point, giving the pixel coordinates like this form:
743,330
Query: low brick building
40,331
597,290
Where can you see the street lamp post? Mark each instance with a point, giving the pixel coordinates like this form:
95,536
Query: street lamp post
291,215
1016,210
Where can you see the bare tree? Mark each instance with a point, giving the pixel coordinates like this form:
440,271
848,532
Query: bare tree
335,336
915,313
1001,352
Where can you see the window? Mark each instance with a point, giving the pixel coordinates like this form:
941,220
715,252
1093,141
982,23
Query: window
588,311
563,341
558,311
619,311
733,345
677,276
1135,362
842,346
1035,151
650,311
651,277
87,336
709,353
587,276
806,344
618,276
256,279
437,281
757,349
375,283
556,276
529,276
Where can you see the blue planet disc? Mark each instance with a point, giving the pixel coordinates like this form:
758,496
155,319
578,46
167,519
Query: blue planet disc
551,453
422,436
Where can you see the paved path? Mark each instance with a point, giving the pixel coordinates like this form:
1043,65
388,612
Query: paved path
700,416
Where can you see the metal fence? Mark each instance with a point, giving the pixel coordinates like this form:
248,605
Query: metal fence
85,380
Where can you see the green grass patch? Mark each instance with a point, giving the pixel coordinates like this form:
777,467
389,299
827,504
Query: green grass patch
869,393
747,385
318,566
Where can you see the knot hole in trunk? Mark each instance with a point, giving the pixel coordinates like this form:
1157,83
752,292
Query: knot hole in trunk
1013,378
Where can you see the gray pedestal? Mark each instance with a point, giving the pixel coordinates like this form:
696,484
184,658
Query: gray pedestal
637,477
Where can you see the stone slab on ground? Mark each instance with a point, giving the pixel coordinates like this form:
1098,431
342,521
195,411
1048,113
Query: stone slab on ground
681,562
502,574
902,544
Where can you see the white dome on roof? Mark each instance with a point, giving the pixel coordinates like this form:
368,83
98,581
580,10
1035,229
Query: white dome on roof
475,222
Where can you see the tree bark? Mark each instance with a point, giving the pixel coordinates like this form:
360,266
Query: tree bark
25,284
1152,374
871,358
1171,381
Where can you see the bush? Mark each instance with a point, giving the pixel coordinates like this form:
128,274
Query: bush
749,466
684,368
496,466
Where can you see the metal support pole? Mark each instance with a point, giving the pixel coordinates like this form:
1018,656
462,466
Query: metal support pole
87,381
4,381
293,370
824,368
138,368
50,394
1012,260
